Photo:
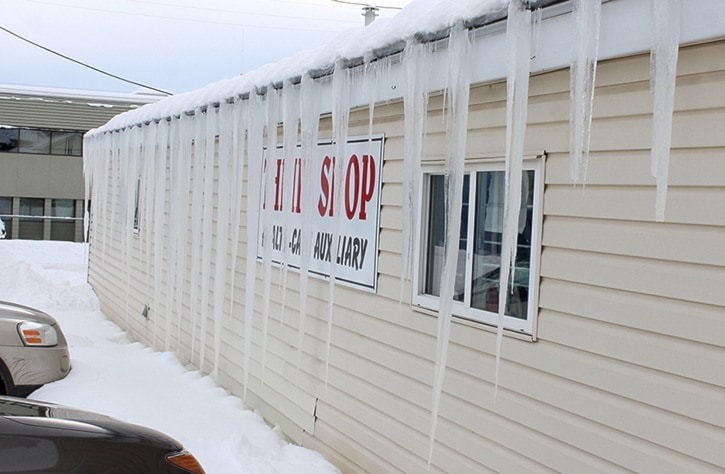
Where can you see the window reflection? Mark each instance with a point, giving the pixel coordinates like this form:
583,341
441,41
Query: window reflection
34,141
41,141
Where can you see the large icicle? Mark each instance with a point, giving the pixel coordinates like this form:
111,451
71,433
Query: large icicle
129,192
587,18
254,188
416,108
238,146
309,128
212,117
518,39
267,215
456,133
663,75
291,118
197,184
148,182
159,197
340,120
177,211
224,200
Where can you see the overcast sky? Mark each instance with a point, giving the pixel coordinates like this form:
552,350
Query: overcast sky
174,45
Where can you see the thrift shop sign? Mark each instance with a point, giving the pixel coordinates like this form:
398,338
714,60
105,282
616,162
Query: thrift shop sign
340,214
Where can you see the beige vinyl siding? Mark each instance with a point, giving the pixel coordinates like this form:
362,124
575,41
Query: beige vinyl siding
627,372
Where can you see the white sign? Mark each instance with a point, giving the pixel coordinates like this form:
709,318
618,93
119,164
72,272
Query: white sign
350,232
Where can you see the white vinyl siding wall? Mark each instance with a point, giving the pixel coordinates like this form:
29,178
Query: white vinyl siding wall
628,370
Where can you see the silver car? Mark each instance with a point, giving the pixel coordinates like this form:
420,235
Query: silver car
33,350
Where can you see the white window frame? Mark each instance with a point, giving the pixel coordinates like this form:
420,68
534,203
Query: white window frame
137,207
464,309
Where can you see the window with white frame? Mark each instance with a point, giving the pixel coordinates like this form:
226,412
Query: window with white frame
476,293
136,203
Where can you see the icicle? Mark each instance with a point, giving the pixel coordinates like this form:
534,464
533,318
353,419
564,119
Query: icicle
207,232
291,115
148,182
309,126
416,108
224,198
196,218
159,198
518,39
663,73
587,16
267,215
90,175
239,128
130,142
177,211
456,133
340,121
254,188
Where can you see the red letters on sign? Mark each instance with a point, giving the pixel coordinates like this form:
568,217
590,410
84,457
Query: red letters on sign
359,190
327,187
362,185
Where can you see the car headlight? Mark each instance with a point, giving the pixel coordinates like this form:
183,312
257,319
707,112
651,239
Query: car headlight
37,334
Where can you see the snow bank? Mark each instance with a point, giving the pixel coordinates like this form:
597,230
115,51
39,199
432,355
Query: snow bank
46,277
131,382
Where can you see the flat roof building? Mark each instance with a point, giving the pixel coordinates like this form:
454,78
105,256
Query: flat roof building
41,148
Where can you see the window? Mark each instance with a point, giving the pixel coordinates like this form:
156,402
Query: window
9,139
476,293
6,212
40,141
30,224
34,141
66,143
137,197
63,225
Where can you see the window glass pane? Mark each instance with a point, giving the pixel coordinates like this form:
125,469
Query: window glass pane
34,141
31,228
31,207
66,143
437,236
64,228
6,206
6,210
9,139
62,208
490,196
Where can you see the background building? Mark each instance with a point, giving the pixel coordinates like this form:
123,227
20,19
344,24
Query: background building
41,148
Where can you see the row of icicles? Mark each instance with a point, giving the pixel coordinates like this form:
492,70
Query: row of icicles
167,169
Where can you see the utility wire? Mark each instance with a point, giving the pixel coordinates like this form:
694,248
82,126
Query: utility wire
68,58
196,20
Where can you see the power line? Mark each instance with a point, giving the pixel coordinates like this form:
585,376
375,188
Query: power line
68,58
195,20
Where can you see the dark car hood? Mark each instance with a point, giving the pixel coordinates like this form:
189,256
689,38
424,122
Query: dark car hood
23,416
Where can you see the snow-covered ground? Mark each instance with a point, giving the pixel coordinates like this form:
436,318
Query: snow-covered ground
131,382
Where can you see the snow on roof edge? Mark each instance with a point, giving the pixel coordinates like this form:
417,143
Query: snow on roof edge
419,21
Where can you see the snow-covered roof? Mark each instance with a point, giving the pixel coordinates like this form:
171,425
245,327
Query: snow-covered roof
428,20
141,96
419,21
